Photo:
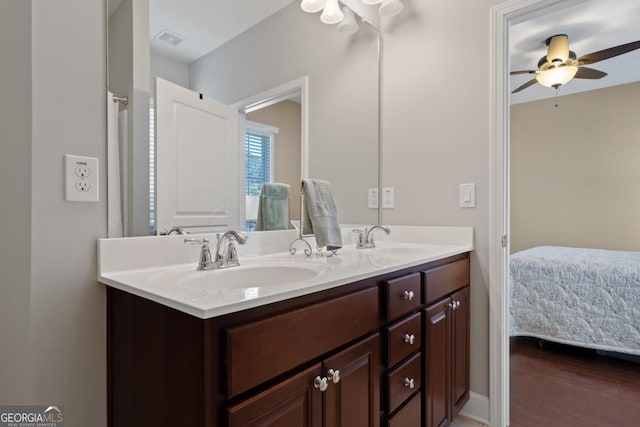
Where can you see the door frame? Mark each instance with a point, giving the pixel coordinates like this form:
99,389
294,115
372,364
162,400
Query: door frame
265,99
502,16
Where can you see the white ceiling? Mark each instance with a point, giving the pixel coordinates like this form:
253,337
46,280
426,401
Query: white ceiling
204,24
591,25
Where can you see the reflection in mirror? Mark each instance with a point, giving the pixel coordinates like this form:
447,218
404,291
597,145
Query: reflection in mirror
275,45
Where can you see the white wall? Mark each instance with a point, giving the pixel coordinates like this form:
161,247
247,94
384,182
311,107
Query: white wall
436,134
343,94
575,175
15,201
63,361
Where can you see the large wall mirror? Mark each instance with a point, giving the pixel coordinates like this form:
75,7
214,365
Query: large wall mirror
299,90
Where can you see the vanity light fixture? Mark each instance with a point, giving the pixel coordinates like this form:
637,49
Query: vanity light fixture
390,7
333,14
348,24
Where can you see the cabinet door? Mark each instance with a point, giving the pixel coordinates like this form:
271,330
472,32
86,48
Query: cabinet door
460,349
293,402
354,401
437,392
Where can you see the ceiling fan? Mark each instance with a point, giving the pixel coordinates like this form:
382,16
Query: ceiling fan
560,64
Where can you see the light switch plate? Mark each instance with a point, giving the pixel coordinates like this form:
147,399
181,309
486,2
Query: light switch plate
81,179
467,195
373,198
387,198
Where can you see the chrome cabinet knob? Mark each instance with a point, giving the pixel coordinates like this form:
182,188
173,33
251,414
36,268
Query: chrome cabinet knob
321,383
457,304
334,375
409,382
408,295
409,338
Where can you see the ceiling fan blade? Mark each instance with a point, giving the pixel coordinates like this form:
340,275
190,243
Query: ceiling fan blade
601,55
526,85
589,73
513,73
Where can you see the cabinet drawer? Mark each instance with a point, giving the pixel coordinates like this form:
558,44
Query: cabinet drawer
409,416
398,380
445,279
262,350
403,338
403,295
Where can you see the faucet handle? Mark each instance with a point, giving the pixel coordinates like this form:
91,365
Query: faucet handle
205,262
361,233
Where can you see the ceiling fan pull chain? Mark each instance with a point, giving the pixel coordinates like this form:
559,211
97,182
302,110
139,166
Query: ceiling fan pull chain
556,98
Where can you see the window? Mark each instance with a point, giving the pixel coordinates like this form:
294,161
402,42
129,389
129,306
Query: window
259,154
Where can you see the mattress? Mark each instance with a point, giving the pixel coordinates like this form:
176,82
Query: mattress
583,297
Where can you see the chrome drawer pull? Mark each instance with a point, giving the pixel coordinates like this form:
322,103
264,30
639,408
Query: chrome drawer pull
409,382
408,295
320,383
409,338
334,375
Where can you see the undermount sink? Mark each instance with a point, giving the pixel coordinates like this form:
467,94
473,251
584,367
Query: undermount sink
247,275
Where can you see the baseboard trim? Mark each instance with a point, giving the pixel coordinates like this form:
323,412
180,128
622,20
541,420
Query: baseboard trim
477,408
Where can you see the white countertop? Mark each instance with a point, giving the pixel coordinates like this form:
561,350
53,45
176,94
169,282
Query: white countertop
163,269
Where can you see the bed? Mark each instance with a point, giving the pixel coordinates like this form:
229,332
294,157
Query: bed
583,297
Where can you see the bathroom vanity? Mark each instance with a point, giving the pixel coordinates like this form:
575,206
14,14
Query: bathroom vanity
379,338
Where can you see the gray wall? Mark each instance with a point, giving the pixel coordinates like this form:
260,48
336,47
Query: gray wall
15,203
59,308
168,69
436,134
343,94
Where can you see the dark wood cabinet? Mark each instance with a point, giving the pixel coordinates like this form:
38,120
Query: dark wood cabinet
293,402
438,364
354,401
460,351
400,342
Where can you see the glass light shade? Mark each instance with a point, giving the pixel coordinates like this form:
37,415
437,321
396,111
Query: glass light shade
331,14
558,48
312,6
554,77
348,24
390,7
371,1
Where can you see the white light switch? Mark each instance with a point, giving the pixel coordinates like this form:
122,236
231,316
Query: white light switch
467,195
373,198
387,198
81,179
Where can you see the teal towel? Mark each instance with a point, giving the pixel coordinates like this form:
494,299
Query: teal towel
320,215
273,207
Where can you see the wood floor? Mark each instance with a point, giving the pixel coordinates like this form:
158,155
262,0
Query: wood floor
561,386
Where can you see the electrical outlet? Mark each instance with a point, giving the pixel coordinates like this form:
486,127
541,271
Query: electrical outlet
81,179
387,198
373,198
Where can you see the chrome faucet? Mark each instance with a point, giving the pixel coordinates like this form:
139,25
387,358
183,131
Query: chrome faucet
365,237
227,255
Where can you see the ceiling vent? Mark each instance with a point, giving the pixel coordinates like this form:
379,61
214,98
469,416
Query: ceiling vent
170,38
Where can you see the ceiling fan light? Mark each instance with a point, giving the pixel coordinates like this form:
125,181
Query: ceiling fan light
555,77
331,14
312,6
558,48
